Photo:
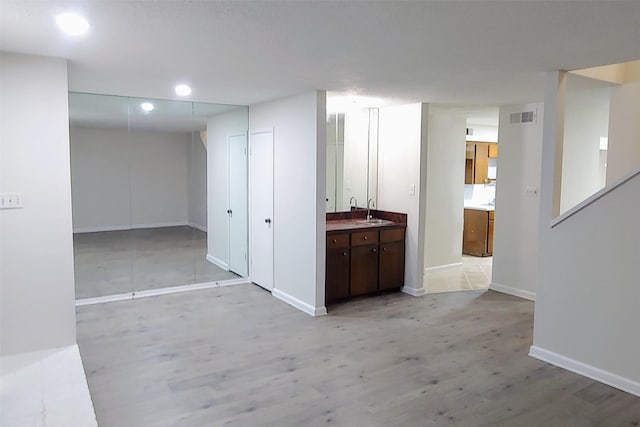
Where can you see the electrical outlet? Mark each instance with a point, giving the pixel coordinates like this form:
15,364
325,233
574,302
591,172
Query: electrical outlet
531,191
412,189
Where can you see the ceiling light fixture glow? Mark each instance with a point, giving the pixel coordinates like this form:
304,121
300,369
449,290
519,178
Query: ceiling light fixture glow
147,107
72,24
183,90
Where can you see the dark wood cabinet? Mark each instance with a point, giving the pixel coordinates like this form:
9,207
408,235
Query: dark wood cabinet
364,270
391,265
337,278
364,262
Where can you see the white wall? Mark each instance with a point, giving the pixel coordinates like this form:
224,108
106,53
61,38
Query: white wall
515,241
587,297
484,133
299,228
124,180
37,304
445,188
624,131
400,158
586,120
219,129
197,187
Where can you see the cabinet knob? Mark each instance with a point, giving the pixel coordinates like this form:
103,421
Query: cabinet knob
344,254
335,241
384,249
365,238
374,250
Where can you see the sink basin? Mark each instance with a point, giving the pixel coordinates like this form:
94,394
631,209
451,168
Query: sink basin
375,221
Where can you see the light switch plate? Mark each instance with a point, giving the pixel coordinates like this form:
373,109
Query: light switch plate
11,201
412,189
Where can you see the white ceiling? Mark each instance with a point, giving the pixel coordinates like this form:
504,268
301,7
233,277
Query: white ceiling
455,52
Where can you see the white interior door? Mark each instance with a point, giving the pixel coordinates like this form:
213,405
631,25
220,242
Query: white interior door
261,194
238,210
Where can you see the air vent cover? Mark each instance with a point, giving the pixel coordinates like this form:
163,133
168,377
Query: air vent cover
523,117
527,117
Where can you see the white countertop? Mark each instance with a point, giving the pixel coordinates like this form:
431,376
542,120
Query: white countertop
479,207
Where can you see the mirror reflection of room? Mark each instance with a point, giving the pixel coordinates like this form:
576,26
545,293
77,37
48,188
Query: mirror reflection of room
352,154
139,195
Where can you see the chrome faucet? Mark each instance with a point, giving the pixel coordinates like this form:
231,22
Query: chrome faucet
352,199
370,204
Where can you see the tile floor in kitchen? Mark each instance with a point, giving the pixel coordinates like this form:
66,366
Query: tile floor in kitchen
474,273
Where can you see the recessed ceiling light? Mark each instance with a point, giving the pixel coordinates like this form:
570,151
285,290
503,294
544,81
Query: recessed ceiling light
72,24
147,106
183,90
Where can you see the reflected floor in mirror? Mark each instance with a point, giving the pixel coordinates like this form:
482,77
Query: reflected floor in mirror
117,262
473,274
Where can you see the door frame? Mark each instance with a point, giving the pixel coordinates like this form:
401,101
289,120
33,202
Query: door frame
246,135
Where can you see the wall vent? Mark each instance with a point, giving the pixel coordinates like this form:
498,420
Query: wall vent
523,117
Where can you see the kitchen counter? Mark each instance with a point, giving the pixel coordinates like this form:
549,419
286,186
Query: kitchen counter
355,224
480,207
350,220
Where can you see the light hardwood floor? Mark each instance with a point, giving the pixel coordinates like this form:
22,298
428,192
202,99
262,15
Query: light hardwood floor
236,356
116,262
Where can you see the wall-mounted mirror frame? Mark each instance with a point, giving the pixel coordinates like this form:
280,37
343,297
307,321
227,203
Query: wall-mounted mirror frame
145,195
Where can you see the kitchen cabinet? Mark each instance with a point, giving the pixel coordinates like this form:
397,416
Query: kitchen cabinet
477,236
364,261
337,278
477,157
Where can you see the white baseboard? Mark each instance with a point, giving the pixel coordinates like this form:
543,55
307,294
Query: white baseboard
605,377
128,227
441,267
197,226
99,229
413,291
300,305
531,296
217,261
162,291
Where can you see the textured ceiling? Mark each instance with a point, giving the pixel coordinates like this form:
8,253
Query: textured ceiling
455,52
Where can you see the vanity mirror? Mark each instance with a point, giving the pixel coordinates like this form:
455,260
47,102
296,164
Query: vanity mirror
352,159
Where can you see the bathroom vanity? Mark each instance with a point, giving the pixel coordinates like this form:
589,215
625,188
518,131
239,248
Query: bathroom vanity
364,257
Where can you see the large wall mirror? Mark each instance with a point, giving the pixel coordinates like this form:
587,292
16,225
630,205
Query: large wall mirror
159,193
352,159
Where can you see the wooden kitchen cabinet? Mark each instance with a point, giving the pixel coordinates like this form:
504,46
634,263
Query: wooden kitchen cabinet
391,265
364,262
477,236
477,161
364,270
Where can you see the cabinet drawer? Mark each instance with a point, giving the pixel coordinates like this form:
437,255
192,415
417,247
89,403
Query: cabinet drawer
337,240
364,238
394,235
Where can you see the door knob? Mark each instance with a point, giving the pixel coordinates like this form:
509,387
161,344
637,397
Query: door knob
267,220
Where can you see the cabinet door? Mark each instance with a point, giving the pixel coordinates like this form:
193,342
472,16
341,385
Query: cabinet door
475,232
337,278
364,270
493,151
481,166
490,238
391,265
